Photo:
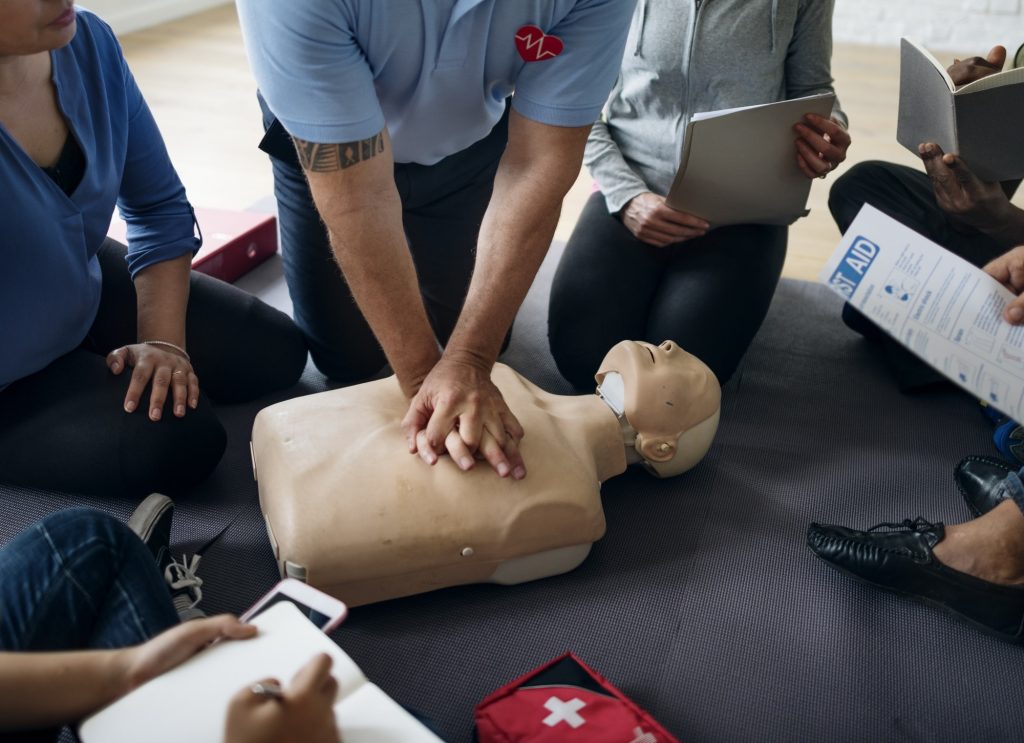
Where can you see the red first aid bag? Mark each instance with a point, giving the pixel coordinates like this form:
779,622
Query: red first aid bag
564,700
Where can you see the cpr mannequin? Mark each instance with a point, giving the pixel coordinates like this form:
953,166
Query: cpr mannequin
350,511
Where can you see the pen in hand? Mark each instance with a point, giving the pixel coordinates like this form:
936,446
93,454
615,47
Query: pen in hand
267,689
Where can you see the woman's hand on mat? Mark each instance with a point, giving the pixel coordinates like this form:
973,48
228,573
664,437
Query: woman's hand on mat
1008,270
960,193
821,145
166,368
304,713
652,221
459,410
964,71
173,647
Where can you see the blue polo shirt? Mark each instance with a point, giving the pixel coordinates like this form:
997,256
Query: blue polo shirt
436,72
50,280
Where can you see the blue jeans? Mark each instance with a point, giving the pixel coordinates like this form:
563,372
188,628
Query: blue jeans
80,579
1014,487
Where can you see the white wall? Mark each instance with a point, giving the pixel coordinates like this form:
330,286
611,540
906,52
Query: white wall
956,25
125,16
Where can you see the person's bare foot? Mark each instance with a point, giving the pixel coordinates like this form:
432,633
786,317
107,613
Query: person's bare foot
991,547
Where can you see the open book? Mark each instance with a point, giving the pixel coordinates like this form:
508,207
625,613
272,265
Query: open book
189,703
981,121
938,305
738,165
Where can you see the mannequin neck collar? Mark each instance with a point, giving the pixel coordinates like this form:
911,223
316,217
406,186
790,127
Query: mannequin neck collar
612,392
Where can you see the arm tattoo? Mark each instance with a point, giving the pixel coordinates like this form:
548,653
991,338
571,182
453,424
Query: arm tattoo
327,157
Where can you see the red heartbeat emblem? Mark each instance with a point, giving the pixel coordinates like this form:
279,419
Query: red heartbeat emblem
534,45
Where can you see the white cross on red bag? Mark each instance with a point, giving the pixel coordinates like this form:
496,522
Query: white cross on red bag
561,702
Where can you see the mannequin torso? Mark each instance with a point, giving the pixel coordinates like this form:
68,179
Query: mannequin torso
401,527
350,511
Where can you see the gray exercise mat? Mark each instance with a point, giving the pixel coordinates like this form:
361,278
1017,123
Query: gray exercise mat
702,602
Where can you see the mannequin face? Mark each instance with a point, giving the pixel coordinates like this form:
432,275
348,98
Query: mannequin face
668,393
32,26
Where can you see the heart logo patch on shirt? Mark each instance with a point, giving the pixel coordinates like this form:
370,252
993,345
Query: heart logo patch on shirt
535,46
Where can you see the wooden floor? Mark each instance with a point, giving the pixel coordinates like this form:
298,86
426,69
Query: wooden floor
195,76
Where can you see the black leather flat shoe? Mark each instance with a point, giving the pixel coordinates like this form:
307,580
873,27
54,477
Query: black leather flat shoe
900,559
980,481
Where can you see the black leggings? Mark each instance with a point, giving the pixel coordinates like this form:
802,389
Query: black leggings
709,295
64,427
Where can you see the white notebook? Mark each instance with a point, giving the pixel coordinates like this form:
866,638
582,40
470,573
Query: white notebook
190,702
738,165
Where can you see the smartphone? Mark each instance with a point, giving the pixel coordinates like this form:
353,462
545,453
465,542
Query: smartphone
326,612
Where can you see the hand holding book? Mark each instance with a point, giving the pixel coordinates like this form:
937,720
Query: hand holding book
216,687
820,146
966,71
969,200
973,109
729,156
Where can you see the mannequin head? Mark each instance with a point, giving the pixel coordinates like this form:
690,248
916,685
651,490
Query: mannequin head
669,398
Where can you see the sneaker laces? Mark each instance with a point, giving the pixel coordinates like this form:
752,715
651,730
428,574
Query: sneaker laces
920,525
181,577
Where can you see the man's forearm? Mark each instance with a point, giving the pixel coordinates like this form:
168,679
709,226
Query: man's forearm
511,248
40,690
537,170
354,189
371,249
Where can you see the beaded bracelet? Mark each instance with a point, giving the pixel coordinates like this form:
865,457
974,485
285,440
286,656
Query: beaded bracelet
172,346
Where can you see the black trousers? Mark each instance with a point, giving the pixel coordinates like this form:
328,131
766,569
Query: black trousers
709,295
64,427
442,208
906,195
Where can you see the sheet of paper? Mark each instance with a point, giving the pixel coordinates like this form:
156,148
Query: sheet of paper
941,307
704,115
368,715
189,703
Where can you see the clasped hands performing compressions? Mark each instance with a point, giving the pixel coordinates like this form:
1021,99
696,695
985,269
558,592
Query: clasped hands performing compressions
459,411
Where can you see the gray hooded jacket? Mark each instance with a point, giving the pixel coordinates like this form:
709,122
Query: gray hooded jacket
687,56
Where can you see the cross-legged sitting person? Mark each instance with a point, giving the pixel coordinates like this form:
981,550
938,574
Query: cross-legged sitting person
87,616
105,351
946,202
975,569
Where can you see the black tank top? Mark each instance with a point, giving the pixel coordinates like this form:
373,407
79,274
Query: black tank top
70,166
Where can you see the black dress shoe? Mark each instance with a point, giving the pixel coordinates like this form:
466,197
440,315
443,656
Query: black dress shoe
901,560
980,481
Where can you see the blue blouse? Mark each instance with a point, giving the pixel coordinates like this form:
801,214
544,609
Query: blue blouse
49,273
